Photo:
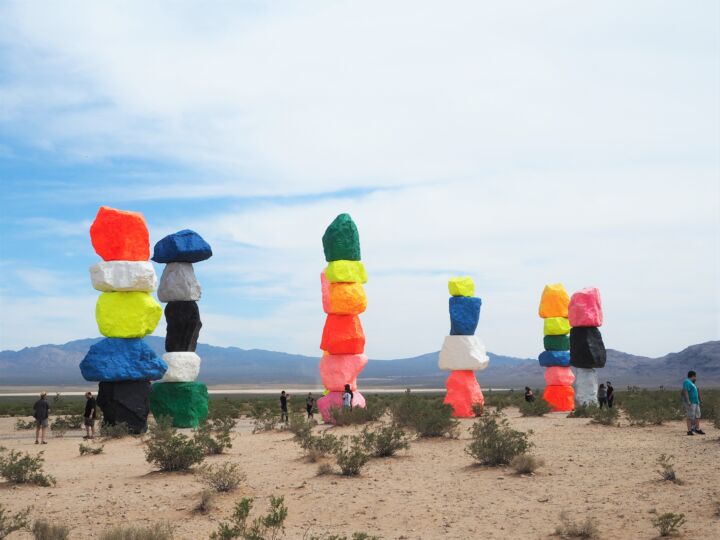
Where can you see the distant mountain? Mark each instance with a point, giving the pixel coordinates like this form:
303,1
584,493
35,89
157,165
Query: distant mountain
57,365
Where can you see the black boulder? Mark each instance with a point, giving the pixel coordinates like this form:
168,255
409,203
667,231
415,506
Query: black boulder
587,349
125,402
183,326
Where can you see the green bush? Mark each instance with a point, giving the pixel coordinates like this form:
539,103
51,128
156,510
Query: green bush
538,407
215,436
667,469
21,424
351,456
300,426
116,431
86,449
605,416
206,502
317,446
373,411
270,526
10,523
264,417
572,529
384,441
494,442
158,531
651,407
668,523
222,477
583,410
170,450
22,468
44,530
428,417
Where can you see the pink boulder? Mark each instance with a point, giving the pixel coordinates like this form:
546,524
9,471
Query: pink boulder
333,400
325,287
559,376
337,370
585,308
463,393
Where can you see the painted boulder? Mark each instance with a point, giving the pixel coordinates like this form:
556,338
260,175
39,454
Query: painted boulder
560,398
554,301
127,314
183,326
123,276
587,349
347,298
555,326
464,315
346,272
120,235
182,366
461,286
178,283
554,358
586,386
183,246
343,334
333,401
185,402
559,376
114,359
463,394
586,308
557,343
325,290
125,402
341,240
463,353
337,370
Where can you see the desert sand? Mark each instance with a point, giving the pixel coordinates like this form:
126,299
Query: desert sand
430,491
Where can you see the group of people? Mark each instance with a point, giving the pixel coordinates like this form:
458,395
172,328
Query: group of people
41,413
605,395
310,403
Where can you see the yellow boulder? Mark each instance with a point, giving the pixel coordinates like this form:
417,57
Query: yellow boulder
461,286
554,301
556,326
346,272
127,314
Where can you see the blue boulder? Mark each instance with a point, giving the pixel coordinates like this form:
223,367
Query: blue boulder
118,359
182,246
554,358
464,315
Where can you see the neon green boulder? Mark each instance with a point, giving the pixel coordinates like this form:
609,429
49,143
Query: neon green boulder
127,314
346,272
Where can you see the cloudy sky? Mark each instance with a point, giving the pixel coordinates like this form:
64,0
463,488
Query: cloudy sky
519,142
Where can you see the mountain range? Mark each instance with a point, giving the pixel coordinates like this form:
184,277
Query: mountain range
57,365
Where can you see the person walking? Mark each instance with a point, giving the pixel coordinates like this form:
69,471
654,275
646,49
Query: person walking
347,397
309,405
602,395
529,395
691,399
90,414
610,395
283,407
41,413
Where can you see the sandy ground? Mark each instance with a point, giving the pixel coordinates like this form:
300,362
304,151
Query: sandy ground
430,491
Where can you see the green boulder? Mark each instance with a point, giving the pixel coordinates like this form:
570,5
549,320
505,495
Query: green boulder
185,402
556,343
341,241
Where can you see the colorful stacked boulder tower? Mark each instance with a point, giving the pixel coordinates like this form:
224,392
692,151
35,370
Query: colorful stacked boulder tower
344,299
587,350
125,312
462,352
559,378
178,395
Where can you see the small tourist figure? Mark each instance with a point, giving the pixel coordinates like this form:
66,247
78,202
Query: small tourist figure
347,397
41,413
529,395
309,405
89,416
610,395
602,395
691,399
283,407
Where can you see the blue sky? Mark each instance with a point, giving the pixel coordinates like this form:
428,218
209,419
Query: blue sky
518,142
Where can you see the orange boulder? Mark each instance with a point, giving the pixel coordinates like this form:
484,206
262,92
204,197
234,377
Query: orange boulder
554,301
560,398
463,393
343,334
120,235
347,298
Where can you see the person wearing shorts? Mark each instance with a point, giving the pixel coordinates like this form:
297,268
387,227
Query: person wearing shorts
89,416
41,413
691,399
309,405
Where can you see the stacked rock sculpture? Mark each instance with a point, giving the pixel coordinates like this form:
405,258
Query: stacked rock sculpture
462,351
178,395
125,312
559,378
344,299
587,350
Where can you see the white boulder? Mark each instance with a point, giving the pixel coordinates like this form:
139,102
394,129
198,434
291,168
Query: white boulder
586,386
463,353
178,283
123,276
182,366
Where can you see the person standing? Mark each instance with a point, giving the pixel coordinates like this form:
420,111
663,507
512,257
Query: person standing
602,395
691,399
90,414
347,397
41,413
610,395
283,407
529,395
309,405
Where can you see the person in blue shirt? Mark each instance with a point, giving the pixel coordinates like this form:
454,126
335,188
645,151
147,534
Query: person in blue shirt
691,399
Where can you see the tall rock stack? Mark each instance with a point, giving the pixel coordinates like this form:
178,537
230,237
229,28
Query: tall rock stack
343,298
178,395
559,378
587,350
123,363
462,351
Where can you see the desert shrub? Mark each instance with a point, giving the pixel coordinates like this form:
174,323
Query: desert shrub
355,536
158,531
325,469
583,410
214,436
116,431
372,412
427,417
494,442
270,526
222,477
300,426
538,407
317,446
170,450
605,416
22,468
654,408
86,449
264,419
667,469
384,441
44,530
206,502
569,528
21,424
526,463
351,456
224,408
668,523
10,523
